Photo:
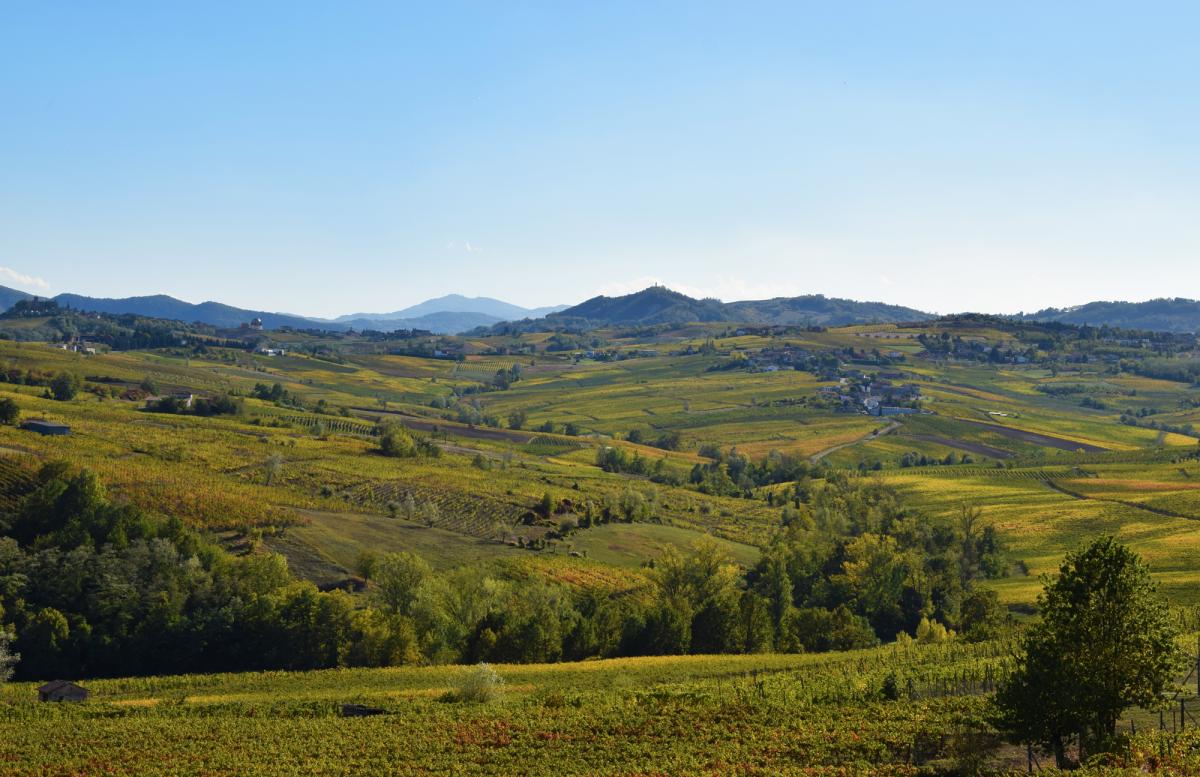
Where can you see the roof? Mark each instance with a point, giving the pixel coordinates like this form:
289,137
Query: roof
41,424
55,685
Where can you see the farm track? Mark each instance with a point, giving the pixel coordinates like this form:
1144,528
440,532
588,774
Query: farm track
1036,438
875,435
1148,508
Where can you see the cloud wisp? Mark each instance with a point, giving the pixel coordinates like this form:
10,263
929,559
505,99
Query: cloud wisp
9,275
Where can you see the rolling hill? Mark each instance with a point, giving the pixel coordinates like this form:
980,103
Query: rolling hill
163,306
1160,315
660,305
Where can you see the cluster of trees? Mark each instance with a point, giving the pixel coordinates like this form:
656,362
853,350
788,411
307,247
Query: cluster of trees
1180,370
221,404
667,441
30,377
396,441
92,588
733,474
62,386
505,377
857,555
276,393
917,459
1130,418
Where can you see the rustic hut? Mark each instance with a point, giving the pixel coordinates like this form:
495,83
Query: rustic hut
62,690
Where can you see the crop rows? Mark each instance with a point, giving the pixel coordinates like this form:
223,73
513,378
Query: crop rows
332,424
16,479
457,511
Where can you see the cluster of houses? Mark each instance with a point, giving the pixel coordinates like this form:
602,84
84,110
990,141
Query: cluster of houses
174,402
77,346
877,395
780,358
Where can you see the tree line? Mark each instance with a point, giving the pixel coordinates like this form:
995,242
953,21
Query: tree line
93,588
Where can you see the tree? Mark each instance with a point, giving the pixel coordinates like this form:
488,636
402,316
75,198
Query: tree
517,419
366,564
8,659
9,412
396,442
398,577
1105,642
64,386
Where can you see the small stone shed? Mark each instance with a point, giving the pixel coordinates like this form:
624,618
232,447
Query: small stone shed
62,690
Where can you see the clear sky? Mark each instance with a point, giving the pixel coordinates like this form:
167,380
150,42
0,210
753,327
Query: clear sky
326,158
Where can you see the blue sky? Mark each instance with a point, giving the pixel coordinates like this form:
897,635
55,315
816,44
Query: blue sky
325,158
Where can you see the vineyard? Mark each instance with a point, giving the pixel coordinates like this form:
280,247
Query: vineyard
763,714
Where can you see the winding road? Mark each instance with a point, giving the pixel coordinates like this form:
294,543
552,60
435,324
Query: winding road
891,427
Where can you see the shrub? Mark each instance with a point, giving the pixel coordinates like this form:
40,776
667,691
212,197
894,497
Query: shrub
479,686
932,632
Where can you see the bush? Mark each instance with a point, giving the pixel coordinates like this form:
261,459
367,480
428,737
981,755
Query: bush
479,686
9,412
396,442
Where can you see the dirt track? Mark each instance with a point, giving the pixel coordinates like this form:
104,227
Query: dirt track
893,426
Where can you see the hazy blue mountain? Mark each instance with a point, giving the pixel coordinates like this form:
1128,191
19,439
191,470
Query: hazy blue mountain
10,297
212,313
1159,315
442,322
660,305
457,303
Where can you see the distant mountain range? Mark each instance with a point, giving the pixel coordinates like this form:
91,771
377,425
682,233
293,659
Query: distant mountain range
162,306
457,303
660,305
1158,315
446,315
455,314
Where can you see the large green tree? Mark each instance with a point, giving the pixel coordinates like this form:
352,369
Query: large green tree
1105,642
64,386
